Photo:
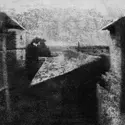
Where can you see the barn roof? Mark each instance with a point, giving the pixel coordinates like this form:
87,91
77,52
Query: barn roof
56,66
9,23
108,26
115,22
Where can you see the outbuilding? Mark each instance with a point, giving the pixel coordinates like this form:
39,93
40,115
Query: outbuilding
117,50
12,54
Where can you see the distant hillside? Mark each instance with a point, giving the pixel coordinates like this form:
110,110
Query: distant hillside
69,25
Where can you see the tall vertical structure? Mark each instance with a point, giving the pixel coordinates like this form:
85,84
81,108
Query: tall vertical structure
117,51
12,52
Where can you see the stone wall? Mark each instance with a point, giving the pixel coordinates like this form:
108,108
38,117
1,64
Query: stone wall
116,76
15,44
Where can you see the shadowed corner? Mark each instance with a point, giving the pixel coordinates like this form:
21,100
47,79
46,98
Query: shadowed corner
77,95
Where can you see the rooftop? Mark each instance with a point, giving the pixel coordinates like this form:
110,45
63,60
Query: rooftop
9,23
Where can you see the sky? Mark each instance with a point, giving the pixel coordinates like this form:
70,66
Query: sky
100,5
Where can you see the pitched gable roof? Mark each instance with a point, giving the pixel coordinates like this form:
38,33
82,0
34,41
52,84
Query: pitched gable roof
9,23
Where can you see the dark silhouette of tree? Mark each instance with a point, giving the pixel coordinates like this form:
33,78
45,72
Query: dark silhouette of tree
35,49
32,61
43,49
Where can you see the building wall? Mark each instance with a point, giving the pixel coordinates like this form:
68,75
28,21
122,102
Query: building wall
121,29
117,51
15,53
116,76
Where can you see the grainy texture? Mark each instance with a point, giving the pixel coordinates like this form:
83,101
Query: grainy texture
115,78
65,62
67,99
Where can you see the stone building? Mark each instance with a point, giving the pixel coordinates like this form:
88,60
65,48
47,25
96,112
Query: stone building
12,52
117,51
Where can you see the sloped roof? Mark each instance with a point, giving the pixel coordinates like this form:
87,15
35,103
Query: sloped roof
60,65
110,24
113,23
9,23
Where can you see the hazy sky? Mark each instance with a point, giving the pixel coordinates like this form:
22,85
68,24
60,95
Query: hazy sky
22,5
